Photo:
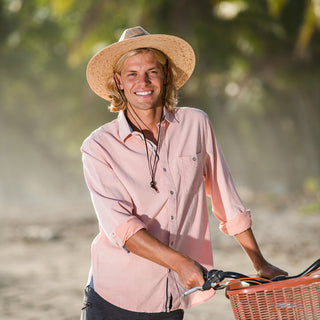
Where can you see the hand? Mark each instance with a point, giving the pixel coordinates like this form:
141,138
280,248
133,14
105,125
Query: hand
191,273
269,271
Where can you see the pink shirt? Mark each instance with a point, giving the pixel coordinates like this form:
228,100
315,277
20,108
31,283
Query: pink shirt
190,167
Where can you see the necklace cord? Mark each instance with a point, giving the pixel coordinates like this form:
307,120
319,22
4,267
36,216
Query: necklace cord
152,167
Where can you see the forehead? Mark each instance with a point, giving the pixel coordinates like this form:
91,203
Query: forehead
140,60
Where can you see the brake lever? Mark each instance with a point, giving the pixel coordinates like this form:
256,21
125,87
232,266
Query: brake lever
212,277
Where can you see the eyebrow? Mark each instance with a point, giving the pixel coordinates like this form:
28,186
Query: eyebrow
130,71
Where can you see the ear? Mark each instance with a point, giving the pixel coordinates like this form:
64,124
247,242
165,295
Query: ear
117,80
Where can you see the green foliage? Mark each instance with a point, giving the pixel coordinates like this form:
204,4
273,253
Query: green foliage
257,75
310,208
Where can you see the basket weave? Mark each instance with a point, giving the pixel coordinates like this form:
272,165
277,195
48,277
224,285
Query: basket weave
293,299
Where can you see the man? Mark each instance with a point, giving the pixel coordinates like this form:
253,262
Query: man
149,172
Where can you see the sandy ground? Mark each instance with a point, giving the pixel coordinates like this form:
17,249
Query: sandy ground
45,258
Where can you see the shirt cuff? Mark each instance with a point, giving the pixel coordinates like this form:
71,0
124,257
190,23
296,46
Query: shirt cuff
238,224
127,229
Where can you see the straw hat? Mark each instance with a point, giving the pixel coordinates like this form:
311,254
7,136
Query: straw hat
180,53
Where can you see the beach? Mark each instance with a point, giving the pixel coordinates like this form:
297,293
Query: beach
46,257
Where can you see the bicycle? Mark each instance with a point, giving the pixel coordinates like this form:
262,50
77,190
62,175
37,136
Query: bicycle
283,297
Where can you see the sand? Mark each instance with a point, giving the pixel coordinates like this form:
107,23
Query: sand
45,256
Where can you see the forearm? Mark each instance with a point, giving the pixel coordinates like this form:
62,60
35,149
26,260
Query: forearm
145,245
249,244
262,266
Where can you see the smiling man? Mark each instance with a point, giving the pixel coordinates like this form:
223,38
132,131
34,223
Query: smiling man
149,173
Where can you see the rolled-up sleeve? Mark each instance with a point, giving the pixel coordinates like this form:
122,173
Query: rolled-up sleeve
111,201
226,204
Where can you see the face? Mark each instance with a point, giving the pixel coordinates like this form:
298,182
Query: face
142,80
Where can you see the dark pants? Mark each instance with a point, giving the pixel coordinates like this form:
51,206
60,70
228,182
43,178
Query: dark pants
96,308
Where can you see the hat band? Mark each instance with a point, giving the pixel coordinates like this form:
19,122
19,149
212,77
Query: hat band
135,36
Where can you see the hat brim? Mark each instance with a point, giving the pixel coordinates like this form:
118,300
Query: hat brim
180,53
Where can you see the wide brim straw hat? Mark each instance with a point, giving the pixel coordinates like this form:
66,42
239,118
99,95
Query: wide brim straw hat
101,66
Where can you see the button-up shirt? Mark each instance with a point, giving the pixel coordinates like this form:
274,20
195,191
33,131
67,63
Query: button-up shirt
190,167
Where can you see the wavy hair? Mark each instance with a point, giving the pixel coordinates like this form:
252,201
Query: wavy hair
117,97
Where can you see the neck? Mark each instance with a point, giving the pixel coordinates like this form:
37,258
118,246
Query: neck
145,121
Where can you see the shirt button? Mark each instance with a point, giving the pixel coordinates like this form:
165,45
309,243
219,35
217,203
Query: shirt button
171,192
172,217
171,243
194,158
164,169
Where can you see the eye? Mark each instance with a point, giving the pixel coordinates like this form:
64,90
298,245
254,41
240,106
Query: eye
154,72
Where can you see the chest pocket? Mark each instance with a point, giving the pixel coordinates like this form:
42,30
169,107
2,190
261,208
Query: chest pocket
191,172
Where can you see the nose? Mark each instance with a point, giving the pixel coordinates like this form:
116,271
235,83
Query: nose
144,78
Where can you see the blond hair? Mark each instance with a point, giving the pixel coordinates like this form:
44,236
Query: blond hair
118,99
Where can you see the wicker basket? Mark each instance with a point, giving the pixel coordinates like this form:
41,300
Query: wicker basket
291,299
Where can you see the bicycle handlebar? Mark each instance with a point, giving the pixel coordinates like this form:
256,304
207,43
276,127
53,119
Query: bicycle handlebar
214,278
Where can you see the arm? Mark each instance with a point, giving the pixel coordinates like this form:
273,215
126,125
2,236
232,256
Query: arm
263,267
145,245
227,206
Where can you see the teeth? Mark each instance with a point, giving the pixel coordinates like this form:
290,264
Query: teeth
144,93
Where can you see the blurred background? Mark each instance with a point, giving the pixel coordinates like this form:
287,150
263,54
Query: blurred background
257,76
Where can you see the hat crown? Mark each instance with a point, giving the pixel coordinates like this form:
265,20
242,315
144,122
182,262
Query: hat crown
132,33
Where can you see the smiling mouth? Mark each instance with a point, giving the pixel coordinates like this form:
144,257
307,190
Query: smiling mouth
143,93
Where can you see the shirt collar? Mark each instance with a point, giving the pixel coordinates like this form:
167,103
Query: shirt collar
125,129
170,116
